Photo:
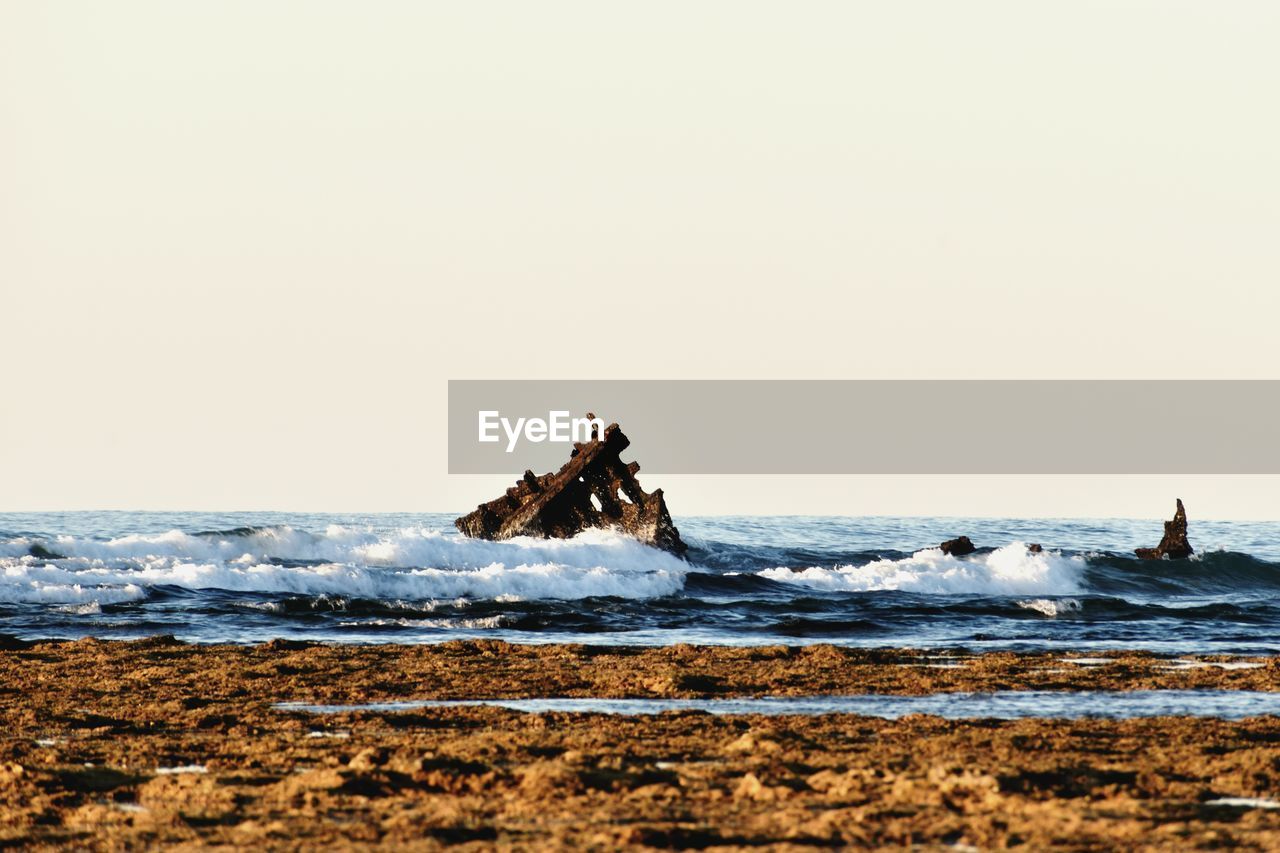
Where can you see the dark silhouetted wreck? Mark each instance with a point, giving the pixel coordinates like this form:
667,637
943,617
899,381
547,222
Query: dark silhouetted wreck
1174,545
594,489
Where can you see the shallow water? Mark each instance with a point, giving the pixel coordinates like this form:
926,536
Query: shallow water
1005,705
248,577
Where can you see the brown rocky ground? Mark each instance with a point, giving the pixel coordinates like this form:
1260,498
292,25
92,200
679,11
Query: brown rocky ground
86,725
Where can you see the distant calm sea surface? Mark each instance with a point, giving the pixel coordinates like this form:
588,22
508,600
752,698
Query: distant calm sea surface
248,577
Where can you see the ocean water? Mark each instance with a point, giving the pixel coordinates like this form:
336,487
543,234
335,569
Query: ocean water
1003,705
248,577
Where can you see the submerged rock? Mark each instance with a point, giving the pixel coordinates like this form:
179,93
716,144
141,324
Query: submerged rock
594,489
10,643
1174,545
957,547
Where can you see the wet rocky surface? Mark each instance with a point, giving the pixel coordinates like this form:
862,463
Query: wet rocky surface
111,745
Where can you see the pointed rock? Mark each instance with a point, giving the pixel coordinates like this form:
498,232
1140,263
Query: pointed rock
1174,545
594,489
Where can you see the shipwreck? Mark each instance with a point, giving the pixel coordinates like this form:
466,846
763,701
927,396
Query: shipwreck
1173,544
594,489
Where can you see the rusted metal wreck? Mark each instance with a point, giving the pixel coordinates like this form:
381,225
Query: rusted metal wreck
595,488
1174,543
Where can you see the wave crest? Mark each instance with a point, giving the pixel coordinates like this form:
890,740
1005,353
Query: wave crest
412,564
1011,570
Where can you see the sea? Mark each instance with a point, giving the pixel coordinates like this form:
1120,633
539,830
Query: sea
247,577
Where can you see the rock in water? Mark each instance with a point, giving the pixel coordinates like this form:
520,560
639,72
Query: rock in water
1174,545
957,547
594,489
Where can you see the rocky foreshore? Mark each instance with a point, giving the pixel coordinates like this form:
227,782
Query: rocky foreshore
112,745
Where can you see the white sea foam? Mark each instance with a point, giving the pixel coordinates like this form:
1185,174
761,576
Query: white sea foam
1011,570
482,622
1051,607
410,547
409,565
19,586
522,582
89,608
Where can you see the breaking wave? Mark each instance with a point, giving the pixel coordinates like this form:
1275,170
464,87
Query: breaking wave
411,547
412,578
18,588
1011,570
1052,607
410,564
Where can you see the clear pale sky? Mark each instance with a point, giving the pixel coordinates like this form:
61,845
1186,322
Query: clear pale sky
243,245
